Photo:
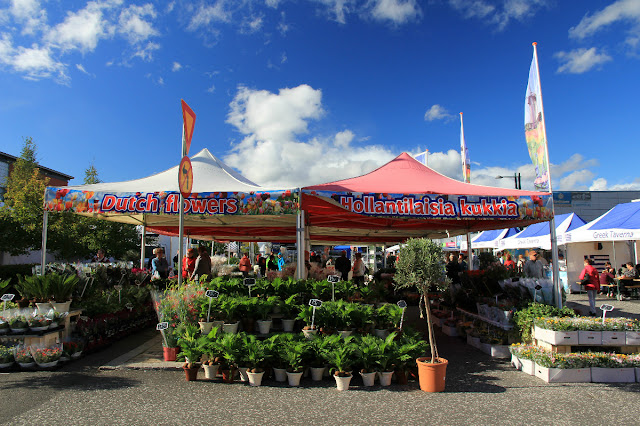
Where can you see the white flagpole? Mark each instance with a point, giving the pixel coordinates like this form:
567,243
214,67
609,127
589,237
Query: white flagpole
552,222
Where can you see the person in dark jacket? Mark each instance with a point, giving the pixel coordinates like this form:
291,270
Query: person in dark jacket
343,265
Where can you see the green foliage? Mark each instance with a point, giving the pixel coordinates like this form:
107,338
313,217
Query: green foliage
192,344
387,316
524,318
420,265
343,356
61,286
293,355
33,287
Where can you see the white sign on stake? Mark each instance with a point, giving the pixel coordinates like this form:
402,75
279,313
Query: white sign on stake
249,282
211,294
402,305
162,326
8,297
314,303
119,288
605,308
333,279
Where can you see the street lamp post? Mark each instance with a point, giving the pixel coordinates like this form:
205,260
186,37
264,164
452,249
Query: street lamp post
516,179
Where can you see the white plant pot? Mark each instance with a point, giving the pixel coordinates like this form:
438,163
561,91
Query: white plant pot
48,364
280,374
230,328
385,377
210,371
613,375
61,306
345,333
255,379
27,364
243,374
43,307
310,334
500,351
264,326
294,378
563,375
342,383
589,337
317,373
288,324
368,379
449,331
528,366
614,338
205,327
515,361
633,338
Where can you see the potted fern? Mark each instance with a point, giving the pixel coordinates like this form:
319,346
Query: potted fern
192,346
289,310
231,348
342,358
421,265
264,309
369,354
61,288
255,356
293,354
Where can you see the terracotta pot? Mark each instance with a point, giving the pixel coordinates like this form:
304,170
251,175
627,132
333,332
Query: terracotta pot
227,376
170,354
432,376
401,377
191,373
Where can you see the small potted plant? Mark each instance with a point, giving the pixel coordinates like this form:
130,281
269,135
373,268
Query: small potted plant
305,315
192,347
23,357
293,354
231,348
47,357
264,309
342,359
61,287
6,357
370,352
38,322
18,324
289,310
421,265
229,308
407,349
255,355
213,354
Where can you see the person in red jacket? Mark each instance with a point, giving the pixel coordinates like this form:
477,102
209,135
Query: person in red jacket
189,263
593,286
509,263
245,265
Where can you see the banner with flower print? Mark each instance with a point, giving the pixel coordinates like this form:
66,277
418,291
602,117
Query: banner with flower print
278,202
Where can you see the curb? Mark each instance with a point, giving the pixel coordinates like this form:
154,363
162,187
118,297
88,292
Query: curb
120,362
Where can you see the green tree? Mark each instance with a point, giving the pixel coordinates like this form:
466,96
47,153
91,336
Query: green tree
21,214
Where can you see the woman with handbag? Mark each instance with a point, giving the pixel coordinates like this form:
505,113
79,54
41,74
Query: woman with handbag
590,280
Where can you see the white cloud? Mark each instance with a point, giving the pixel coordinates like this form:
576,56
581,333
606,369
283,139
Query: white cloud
81,69
211,89
134,25
30,14
160,81
499,15
34,62
283,58
579,61
621,10
273,125
437,112
283,27
206,14
82,30
176,66
252,25
146,52
599,184
338,9
395,11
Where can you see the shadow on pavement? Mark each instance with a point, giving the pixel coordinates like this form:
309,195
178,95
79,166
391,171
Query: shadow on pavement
69,381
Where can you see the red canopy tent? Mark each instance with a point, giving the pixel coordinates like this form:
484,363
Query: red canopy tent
361,209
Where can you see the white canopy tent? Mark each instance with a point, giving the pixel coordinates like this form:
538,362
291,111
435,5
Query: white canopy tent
538,235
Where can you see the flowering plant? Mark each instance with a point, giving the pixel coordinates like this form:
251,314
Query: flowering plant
44,355
6,355
38,321
555,323
23,355
18,321
524,351
556,360
72,346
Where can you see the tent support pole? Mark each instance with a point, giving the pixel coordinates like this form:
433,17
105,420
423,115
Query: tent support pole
143,244
554,263
181,237
469,263
300,245
615,263
45,224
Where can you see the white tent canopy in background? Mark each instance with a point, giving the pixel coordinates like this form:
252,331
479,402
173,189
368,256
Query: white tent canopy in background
538,235
621,223
489,239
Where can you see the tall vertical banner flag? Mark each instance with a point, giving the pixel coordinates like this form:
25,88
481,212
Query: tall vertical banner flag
534,129
464,153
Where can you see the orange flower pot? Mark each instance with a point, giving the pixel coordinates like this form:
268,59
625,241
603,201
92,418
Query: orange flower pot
432,375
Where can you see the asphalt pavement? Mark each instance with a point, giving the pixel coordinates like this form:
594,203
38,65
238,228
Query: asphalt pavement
106,388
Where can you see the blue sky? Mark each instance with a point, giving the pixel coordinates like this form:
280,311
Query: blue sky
297,92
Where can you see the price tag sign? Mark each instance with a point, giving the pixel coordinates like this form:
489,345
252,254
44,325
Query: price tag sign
8,297
402,304
117,287
316,303
162,326
84,318
249,282
333,278
212,294
606,308
538,287
129,306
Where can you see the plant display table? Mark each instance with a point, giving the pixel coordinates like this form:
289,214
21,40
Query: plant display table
44,338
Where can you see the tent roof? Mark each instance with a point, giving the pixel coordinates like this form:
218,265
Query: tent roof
405,175
539,234
621,223
209,174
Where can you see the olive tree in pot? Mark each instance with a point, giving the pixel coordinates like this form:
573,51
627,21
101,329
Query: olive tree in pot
421,265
